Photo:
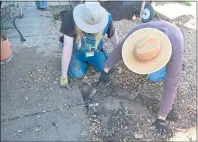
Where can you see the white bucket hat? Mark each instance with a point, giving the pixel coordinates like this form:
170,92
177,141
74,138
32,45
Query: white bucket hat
147,50
90,17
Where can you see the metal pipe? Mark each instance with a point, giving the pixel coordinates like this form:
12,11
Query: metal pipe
141,11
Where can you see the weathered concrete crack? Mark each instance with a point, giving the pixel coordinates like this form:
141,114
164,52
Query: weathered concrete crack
41,112
33,35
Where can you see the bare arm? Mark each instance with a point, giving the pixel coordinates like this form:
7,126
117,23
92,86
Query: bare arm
114,40
116,54
67,53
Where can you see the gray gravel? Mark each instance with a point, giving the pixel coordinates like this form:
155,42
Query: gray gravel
125,82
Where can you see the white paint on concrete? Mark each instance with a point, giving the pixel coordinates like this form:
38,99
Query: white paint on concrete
173,10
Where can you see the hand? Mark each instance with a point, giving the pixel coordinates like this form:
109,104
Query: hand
161,129
104,77
64,82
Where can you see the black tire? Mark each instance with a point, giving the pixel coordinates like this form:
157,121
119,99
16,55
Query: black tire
152,13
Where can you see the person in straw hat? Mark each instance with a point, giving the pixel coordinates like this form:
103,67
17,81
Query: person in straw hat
84,28
155,48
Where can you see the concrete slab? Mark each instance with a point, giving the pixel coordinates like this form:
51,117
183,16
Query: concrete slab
34,107
62,125
179,10
49,3
30,4
34,12
38,24
64,2
30,84
47,45
33,41
57,3
36,29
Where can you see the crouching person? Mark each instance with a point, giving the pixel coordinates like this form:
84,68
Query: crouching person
156,49
84,28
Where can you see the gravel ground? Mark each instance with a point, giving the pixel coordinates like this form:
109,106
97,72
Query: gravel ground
124,84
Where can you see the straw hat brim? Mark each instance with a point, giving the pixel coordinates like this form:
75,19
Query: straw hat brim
146,67
87,27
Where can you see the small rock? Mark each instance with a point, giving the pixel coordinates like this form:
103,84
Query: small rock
138,135
96,121
19,131
149,120
54,124
36,129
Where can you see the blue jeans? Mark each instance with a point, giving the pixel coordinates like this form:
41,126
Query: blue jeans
158,75
78,63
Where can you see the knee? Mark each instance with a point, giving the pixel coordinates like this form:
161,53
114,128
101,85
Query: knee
76,74
76,70
100,61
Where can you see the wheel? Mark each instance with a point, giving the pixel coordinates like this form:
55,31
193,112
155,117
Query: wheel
148,13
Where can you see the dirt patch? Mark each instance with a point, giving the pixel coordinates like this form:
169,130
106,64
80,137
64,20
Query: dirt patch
123,83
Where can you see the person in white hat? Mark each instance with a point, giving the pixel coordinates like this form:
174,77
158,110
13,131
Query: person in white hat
84,28
155,48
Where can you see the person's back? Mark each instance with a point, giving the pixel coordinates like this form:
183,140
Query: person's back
170,73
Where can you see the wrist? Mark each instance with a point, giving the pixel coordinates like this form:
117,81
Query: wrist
64,76
106,70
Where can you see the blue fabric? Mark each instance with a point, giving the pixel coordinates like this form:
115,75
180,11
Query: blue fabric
78,63
41,4
158,75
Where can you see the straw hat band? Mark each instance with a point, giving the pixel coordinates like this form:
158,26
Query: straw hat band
147,49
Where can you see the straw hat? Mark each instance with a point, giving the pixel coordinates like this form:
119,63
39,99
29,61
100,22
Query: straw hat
147,50
90,17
